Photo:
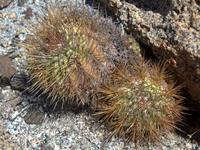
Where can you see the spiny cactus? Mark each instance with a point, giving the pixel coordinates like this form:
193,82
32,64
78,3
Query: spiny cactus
69,52
65,52
137,104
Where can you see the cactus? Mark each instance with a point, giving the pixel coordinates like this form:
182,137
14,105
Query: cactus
66,53
138,105
69,53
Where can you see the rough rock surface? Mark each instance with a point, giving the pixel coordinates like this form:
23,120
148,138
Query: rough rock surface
6,70
168,28
4,3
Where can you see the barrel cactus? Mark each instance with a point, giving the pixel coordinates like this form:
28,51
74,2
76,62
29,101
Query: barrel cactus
66,53
138,105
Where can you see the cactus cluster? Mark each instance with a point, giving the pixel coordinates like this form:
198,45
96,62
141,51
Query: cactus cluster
78,56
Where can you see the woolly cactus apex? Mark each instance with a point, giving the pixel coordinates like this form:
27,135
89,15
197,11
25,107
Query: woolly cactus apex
138,105
65,53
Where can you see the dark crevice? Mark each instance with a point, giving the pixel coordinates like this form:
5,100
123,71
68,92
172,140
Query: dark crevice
157,6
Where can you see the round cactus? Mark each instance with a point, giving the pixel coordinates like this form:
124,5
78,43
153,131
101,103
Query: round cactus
138,105
66,53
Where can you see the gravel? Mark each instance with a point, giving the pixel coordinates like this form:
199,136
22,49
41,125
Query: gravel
26,124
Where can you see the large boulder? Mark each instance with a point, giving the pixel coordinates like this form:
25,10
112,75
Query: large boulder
170,29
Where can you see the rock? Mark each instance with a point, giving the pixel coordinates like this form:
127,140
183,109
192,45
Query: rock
12,15
2,15
168,29
19,81
188,145
34,116
4,3
21,2
28,13
6,70
46,146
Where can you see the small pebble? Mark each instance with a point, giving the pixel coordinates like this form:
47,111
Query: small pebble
188,145
12,15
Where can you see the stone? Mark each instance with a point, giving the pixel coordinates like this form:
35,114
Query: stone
28,13
12,15
19,81
6,70
46,146
2,15
34,116
168,29
21,2
4,3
